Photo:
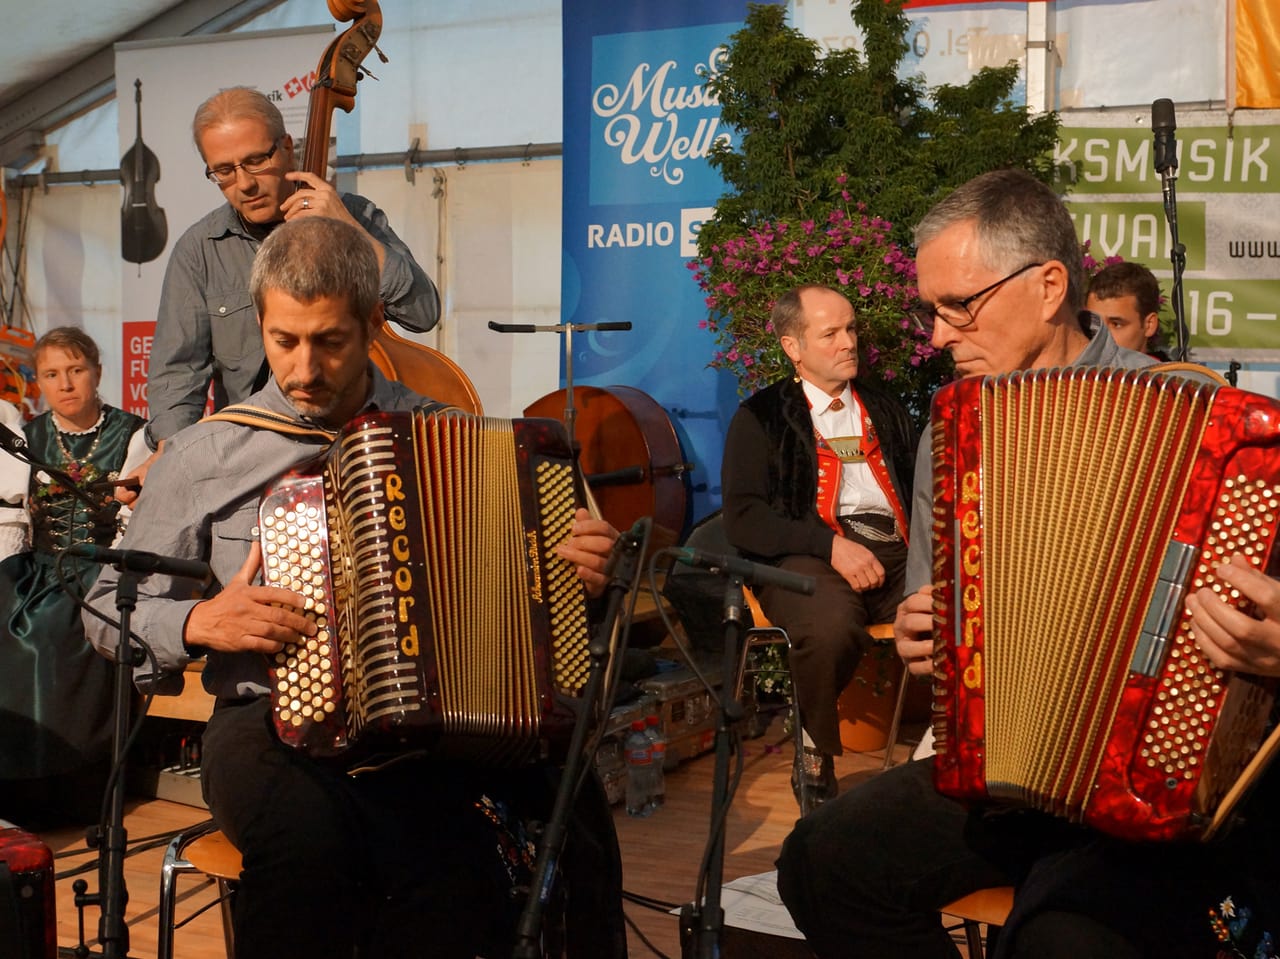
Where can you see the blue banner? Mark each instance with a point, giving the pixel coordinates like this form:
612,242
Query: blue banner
637,130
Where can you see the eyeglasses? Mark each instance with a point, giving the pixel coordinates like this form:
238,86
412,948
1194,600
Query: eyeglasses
957,315
253,165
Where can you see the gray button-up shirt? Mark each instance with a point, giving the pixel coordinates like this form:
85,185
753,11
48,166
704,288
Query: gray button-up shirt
200,502
207,328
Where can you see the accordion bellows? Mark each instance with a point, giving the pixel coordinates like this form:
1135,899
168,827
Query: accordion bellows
1074,511
424,547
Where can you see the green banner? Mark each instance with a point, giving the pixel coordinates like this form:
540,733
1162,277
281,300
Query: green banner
1232,314
1138,231
1245,159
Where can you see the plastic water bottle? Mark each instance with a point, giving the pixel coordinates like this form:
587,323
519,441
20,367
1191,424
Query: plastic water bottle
658,749
639,753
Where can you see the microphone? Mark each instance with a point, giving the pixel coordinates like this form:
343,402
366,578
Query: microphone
12,441
755,574
138,561
1162,125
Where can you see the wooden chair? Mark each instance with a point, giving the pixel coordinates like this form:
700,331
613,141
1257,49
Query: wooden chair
986,907
904,687
201,849
764,632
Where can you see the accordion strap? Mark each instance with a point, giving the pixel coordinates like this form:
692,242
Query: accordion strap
268,420
1190,369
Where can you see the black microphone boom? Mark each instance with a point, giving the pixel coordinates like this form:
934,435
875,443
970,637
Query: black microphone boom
754,574
1163,126
139,561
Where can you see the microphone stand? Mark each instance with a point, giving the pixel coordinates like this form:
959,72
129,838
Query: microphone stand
13,444
1166,163
1178,257
110,834
623,562
702,924
566,330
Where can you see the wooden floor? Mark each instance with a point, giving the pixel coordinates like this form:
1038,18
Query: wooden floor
660,853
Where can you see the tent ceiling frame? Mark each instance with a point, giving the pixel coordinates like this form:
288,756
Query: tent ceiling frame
50,101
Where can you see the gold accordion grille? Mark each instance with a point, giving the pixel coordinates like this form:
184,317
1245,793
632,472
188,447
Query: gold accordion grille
1074,511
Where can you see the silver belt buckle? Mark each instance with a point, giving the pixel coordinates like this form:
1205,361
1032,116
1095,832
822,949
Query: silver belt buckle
866,531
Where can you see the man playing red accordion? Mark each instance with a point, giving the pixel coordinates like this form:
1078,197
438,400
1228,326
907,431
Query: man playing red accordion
1000,277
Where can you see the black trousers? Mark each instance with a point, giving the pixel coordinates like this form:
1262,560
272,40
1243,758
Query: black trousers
864,875
401,862
828,631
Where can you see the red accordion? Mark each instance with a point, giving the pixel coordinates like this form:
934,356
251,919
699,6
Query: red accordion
1074,510
424,547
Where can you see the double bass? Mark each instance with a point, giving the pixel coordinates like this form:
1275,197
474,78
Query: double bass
629,454
144,231
418,367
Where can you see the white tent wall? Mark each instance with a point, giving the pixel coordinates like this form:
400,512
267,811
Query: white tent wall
72,267
491,238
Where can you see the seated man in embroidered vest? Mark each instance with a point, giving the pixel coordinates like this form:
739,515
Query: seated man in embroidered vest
815,478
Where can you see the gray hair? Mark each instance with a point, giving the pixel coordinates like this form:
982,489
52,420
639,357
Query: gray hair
1018,219
237,103
313,257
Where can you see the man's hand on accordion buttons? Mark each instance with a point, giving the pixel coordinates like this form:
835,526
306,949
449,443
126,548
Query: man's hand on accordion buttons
248,618
857,564
1233,639
913,631
588,548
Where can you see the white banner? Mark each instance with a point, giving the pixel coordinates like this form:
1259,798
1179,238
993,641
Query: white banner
1108,52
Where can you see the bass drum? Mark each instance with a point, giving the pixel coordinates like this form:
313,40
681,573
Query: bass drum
629,455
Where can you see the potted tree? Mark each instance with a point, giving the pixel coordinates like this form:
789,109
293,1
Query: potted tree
836,157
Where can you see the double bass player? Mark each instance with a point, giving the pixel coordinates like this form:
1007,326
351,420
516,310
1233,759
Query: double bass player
206,330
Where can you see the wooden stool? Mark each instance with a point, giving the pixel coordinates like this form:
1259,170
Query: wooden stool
989,907
764,633
203,849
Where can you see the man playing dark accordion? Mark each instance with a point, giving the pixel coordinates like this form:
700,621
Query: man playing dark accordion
420,857
999,271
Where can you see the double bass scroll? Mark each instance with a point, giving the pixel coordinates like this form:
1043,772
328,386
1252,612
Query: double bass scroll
418,367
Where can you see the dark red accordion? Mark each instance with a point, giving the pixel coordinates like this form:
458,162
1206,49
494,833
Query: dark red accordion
1074,510
424,547
27,926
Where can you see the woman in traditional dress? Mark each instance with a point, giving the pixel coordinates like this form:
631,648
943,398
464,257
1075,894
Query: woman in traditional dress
56,692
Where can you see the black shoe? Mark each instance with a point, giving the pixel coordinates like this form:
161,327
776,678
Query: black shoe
813,779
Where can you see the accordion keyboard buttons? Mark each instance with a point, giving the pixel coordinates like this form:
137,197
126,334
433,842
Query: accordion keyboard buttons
568,616
305,673
1189,688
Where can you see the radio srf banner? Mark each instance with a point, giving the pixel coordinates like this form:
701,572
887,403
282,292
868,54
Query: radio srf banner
638,127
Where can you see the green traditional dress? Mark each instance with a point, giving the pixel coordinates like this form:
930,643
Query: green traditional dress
55,689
